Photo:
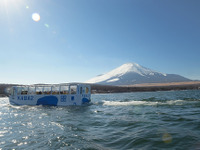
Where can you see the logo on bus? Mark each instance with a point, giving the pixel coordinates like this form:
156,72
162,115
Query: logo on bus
30,98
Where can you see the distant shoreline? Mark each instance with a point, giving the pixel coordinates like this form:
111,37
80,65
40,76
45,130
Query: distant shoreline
167,84
147,87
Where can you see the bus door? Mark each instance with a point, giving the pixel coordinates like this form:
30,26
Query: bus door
73,94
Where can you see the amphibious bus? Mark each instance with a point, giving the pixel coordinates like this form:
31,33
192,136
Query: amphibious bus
54,95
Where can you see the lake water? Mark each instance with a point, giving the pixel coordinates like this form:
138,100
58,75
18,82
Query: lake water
141,120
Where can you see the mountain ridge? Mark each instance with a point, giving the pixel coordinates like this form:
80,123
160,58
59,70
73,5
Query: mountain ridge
133,73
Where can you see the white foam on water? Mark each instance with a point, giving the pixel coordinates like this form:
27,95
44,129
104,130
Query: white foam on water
147,103
4,101
176,102
115,103
58,125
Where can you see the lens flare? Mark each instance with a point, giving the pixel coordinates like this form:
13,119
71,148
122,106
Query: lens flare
167,138
46,25
36,17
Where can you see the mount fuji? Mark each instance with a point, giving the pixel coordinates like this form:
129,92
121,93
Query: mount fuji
133,73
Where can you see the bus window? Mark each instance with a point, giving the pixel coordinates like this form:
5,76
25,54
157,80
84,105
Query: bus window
47,90
39,90
19,89
73,89
55,90
13,91
24,90
86,90
31,90
81,90
64,89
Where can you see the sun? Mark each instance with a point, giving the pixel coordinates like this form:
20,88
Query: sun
36,17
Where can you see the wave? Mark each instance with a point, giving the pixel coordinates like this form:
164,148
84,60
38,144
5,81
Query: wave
148,103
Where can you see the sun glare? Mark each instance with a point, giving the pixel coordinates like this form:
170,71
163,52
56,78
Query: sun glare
10,7
36,17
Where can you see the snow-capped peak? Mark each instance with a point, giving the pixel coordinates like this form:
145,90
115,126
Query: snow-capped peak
134,67
143,71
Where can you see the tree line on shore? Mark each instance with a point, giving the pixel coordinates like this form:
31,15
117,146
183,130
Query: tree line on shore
120,89
97,88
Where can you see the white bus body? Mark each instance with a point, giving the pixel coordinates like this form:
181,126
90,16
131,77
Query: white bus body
54,95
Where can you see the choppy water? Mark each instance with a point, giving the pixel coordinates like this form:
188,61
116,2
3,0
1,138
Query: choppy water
142,120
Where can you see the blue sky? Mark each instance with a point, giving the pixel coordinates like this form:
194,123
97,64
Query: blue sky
75,40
